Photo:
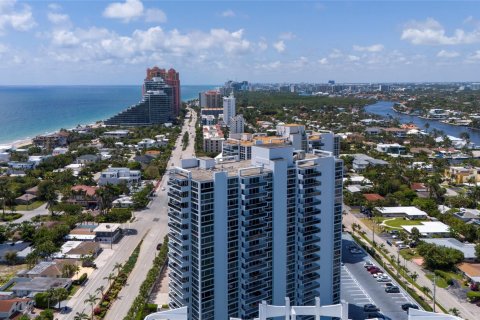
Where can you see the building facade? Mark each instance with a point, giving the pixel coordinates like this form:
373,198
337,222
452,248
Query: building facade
243,232
237,124
228,109
155,107
172,79
210,99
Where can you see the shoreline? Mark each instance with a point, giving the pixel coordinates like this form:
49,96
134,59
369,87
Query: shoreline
23,142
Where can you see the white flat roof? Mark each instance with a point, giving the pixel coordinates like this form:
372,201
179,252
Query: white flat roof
107,227
80,236
427,227
409,211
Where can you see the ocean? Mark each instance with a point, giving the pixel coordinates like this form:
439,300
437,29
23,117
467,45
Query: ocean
26,111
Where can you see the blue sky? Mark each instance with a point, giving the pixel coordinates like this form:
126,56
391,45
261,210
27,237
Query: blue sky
112,42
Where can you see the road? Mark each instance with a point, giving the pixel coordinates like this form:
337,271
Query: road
158,207
360,288
150,224
443,296
28,215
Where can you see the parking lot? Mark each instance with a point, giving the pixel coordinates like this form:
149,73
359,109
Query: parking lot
359,287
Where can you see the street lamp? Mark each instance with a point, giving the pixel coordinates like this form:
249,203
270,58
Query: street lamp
434,289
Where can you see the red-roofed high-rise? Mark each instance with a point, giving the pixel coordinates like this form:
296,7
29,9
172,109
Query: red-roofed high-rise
171,78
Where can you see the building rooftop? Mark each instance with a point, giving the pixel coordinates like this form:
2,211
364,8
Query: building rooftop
468,249
472,270
428,227
40,284
409,211
107,227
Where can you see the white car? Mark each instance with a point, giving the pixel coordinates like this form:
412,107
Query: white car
377,275
384,279
163,189
368,264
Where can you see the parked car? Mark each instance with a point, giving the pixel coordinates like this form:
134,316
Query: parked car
389,242
407,306
389,285
392,289
378,274
373,271
384,279
370,308
368,264
371,267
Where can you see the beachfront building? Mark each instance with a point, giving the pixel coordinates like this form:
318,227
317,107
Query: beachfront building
155,108
243,232
51,141
211,99
172,79
120,175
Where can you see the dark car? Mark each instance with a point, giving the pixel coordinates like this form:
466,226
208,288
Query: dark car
159,246
371,267
407,306
392,289
389,284
389,242
375,270
370,308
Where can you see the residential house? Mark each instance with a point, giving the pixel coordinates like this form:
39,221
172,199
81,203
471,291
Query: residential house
461,175
430,229
362,161
411,213
85,196
21,248
30,287
123,202
13,308
120,175
33,191
81,234
51,141
391,148
59,150
396,132
108,232
88,158
77,249
471,271
25,199
117,134
373,131
468,215
373,197
468,249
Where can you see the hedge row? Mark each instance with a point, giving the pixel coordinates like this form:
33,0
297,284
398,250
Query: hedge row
140,306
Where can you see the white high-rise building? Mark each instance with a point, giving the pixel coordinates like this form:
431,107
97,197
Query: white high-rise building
237,124
228,109
243,232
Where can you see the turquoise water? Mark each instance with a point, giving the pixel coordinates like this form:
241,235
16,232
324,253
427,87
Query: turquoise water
28,111
384,108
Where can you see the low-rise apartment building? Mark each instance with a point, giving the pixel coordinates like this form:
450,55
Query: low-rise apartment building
120,175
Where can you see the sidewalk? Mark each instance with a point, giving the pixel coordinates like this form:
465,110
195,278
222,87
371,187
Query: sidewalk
443,296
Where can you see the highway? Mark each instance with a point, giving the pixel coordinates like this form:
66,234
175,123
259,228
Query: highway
158,207
150,224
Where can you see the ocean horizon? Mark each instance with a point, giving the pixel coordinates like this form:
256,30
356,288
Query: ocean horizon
27,111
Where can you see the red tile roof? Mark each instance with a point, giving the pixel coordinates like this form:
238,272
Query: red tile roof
371,197
89,190
6,305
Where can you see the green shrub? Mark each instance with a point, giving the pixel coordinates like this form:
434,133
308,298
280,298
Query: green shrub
473,296
81,280
152,307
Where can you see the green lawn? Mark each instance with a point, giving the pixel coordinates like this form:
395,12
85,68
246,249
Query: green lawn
10,216
408,254
399,222
32,206
441,283
73,289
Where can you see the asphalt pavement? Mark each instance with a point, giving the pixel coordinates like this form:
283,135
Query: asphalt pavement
359,287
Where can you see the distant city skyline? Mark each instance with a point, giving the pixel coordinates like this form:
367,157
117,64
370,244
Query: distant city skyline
112,42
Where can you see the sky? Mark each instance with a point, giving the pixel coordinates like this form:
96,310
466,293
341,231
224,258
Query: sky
112,42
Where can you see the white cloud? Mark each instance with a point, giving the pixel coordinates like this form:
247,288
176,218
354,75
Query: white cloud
54,6
287,36
280,46
228,13
58,18
323,61
3,48
431,32
126,11
373,48
155,15
262,45
11,15
274,65
447,54
335,54
103,45
474,57
353,58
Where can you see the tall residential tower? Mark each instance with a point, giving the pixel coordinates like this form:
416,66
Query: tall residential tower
171,78
243,232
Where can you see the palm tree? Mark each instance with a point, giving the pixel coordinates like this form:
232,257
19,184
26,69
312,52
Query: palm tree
454,311
81,316
100,289
426,289
118,266
110,277
414,276
92,300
